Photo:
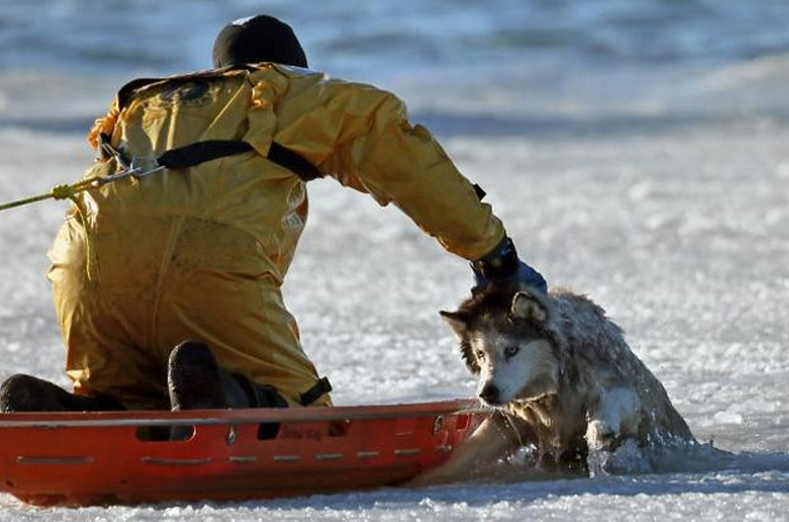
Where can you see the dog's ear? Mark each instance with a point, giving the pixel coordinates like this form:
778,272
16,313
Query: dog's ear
468,357
526,305
458,321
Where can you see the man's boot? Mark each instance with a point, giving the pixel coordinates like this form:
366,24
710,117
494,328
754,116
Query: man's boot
195,381
22,392
194,378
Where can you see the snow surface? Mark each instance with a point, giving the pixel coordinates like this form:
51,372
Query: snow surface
667,203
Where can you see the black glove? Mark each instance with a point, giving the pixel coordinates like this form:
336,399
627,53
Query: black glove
501,266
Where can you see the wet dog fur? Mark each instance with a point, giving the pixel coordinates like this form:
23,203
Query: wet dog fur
560,372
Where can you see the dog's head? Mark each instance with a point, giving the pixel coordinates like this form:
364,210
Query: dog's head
505,341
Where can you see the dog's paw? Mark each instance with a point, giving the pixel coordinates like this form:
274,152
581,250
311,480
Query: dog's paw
601,436
615,417
626,459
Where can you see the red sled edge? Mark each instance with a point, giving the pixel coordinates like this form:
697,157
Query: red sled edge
89,458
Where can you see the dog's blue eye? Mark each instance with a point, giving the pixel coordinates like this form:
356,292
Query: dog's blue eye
509,351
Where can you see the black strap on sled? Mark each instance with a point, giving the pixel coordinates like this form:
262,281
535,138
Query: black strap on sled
315,393
202,151
479,192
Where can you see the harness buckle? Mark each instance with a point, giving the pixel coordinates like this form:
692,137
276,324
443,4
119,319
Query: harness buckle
143,166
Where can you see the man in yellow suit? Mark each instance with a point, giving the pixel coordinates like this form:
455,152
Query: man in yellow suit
167,283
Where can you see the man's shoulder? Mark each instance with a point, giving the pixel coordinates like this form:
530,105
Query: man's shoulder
303,79
294,70
139,85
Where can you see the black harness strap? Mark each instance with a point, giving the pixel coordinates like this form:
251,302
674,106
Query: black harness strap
294,162
315,393
200,152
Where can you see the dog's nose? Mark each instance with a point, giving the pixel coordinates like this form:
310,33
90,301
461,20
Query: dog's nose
490,394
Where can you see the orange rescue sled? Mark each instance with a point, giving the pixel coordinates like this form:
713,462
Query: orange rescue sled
109,457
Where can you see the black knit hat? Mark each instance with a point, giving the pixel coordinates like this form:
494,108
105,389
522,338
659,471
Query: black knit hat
261,38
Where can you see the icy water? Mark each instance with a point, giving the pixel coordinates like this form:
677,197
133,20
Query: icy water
636,151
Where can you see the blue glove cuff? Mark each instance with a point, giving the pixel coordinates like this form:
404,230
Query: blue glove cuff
499,263
501,266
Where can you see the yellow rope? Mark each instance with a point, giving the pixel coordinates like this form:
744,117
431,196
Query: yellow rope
57,192
68,192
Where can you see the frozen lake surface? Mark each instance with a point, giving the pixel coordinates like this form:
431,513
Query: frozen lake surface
662,192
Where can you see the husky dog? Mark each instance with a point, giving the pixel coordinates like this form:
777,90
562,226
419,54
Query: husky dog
562,375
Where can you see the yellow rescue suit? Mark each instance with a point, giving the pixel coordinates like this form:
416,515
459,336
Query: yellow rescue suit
200,253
